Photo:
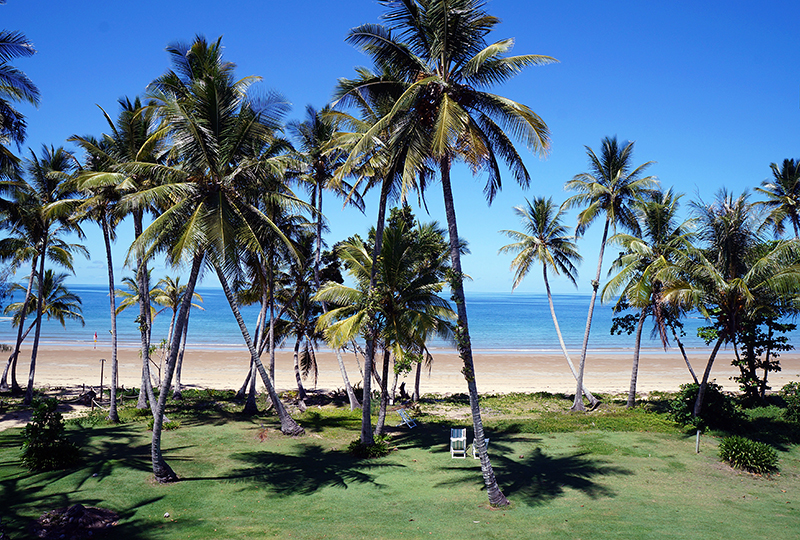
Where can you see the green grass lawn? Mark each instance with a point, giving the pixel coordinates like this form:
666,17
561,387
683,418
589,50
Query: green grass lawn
607,474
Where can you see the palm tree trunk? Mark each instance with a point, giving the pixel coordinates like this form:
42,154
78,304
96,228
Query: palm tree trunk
112,410
146,389
381,422
301,391
578,404
415,397
593,401
496,497
288,425
178,392
162,471
635,368
12,360
683,352
366,402
701,393
38,332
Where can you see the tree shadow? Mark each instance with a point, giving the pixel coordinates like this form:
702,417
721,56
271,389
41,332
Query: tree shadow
538,478
305,473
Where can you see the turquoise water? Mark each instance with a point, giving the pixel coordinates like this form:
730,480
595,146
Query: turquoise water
498,322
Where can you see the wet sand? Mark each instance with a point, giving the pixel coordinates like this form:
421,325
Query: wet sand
496,372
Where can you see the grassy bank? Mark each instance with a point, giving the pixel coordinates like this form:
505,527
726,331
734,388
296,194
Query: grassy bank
611,473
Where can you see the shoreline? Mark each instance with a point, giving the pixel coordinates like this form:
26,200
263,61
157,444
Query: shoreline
607,371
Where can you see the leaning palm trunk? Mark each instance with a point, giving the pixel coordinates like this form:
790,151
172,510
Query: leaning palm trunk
593,401
12,360
146,390
178,391
683,352
37,334
112,410
578,404
288,425
701,392
635,369
162,471
496,497
301,391
415,396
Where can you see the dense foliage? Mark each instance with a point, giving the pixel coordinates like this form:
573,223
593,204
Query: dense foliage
45,446
742,453
791,395
718,412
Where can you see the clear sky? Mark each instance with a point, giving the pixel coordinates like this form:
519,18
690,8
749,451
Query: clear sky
710,91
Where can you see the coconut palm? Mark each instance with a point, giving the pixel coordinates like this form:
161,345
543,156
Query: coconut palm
608,188
439,47
15,86
783,196
169,293
136,136
736,274
637,268
217,134
546,241
48,182
58,303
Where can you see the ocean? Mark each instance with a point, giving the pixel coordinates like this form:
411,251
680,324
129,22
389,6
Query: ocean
499,322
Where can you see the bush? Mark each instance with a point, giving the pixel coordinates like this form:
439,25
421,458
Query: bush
165,426
791,395
367,451
718,410
45,447
742,453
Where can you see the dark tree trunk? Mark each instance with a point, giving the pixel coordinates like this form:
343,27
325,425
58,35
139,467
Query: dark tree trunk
683,352
496,497
415,397
288,425
162,471
12,360
379,425
112,410
142,282
301,391
38,332
578,404
178,392
635,369
701,393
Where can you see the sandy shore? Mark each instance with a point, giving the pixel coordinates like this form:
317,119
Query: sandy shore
496,372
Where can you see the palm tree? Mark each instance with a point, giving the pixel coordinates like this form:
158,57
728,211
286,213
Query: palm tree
783,196
736,275
609,188
217,133
15,86
440,49
638,267
134,137
169,293
546,241
58,303
49,183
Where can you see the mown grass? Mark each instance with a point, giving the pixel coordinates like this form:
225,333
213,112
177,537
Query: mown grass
610,473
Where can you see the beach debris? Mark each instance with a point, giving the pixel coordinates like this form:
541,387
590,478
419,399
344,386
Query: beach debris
77,521
87,397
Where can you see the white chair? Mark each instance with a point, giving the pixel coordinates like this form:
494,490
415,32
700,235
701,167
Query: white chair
458,443
475,448
406,420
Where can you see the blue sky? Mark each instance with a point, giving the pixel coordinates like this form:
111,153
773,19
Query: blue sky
710,91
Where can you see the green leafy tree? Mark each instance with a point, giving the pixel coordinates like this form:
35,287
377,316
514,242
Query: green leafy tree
608,189
783,196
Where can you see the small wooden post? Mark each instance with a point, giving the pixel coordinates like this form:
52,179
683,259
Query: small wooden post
697,443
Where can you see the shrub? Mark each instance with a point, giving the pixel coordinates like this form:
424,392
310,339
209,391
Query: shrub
366,451
742,453
718,410
791,395
45,447
166,426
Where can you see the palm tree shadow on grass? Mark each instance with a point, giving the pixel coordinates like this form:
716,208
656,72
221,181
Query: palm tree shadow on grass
539,478
305,473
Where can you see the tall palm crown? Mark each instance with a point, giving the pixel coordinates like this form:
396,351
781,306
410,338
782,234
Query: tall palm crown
438,51
15,86
58,302
546,241
783,196
609,187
